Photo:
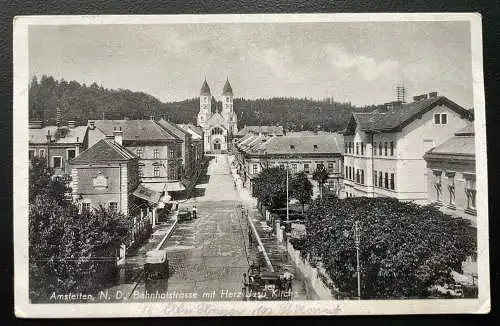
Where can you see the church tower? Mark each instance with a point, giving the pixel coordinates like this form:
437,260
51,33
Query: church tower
205,104
227,108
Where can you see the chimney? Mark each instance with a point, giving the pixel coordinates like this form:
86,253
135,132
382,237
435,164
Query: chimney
91,124
118,135
420,97
48,136
433,94
71,124
58,117
37,124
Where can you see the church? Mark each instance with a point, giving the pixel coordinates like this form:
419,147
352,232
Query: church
219,127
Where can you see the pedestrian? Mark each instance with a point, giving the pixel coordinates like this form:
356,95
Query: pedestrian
245,285
195,215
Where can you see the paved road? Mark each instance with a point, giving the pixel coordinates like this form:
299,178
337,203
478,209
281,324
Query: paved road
208,255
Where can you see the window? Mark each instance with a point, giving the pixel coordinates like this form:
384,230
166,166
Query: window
113,206
345,148
141,171
255,168
385,149
374,149
357,176
357,148
350,147
362,176
282,166
320,166
380,148
138,152
171,153
386,181
292,146
86,207
350,174
71,153
392,148
56,162
330,166
306,168
41,152
380,179
451,187
470,191
31,153
437,184
156,171
375,178
156,153
362,148
440,118
346,173
315,147
294,168
392,181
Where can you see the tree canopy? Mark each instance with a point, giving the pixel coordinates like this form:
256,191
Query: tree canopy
404,249
81,102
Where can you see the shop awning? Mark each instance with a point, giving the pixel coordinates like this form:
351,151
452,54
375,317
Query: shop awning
174,186
147,194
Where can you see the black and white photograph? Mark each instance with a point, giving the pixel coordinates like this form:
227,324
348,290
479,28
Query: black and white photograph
198,165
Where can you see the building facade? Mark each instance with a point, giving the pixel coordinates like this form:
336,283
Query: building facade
451,175
295,153
187,143
384,151
218,127
159,151
57,144
196,147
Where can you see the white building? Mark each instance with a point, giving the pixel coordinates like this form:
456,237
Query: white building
218,127
383,151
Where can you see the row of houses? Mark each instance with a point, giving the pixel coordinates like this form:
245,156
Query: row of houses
421,151
131,166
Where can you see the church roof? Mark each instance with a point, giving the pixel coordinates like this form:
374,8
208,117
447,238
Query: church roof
227,90
216,120
205,89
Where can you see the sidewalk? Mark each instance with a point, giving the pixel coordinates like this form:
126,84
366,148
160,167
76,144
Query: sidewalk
276,252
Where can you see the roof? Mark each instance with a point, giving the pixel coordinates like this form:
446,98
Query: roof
399,116
303,144
105,150
205,89
227,90
135,130
173,128
72,136
216,120
461,144
196,132
275,130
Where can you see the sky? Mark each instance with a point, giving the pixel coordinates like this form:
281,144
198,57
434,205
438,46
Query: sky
360,62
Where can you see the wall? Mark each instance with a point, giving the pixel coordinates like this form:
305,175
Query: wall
310,273
410,148
148,162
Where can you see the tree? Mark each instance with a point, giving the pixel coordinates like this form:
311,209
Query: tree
270,187
405,249
320,175
41,181
301,189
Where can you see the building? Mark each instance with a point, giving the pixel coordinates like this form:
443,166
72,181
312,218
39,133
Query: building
218,127
158,150
186,138
451,184
297,153
196,145
384,151
57,144
451,175
261,130
105,174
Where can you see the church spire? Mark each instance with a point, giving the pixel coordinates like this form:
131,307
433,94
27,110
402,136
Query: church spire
227,90
205,89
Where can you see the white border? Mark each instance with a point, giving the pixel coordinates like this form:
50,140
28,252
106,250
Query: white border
376,307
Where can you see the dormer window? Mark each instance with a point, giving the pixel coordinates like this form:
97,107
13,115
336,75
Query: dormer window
315,147
292,146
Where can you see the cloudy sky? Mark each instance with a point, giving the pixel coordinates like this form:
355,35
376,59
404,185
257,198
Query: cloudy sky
357,62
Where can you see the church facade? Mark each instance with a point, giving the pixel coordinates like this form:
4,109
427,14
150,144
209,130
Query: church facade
220,126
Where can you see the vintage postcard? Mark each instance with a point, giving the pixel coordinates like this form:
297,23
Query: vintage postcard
210,165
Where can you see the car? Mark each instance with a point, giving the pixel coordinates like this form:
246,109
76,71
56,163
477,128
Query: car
184,215
156,265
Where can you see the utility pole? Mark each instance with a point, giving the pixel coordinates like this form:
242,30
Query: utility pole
357,241
287,213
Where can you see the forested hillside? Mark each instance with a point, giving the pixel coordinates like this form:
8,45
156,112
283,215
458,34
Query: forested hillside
81,102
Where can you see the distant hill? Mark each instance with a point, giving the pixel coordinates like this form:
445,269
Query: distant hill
81,102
